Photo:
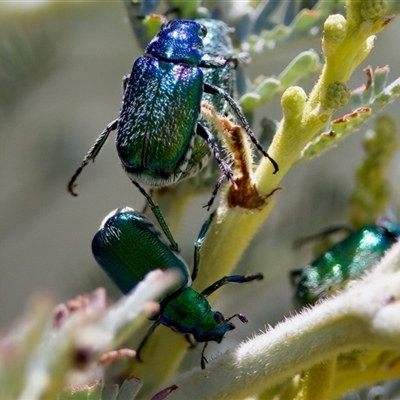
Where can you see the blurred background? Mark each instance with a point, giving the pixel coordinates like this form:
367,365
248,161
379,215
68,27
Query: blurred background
61,69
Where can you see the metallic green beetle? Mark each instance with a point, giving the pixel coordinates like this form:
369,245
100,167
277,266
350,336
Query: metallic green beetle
343,262
128,246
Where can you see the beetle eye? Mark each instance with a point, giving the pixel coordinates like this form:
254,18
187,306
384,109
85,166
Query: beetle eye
203,30
219,318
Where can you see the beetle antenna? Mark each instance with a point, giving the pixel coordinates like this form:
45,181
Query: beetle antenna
240,316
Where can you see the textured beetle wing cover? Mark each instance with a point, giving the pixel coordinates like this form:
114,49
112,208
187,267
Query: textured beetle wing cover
128,246
345,261
158,118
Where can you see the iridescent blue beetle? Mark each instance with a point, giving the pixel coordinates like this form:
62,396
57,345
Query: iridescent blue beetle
158,121
345,261
128,246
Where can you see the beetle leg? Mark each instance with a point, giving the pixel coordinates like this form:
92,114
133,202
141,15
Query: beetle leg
242,58
197,245
92,153
233,278
147,205
216,62
321,235
149,332
215,90
214,193
295,277
157,213
190,339
203,359
203,132
222,61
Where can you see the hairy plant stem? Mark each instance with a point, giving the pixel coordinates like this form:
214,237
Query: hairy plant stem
233,228
363,317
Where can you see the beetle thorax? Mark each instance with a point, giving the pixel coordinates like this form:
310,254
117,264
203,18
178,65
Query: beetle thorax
190,312
180,41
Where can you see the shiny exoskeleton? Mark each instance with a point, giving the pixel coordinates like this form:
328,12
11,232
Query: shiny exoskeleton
128,246
159,118
217,43
345,261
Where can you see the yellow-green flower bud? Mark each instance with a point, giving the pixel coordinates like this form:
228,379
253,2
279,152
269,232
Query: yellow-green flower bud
373,9
293,101
336,95
335,28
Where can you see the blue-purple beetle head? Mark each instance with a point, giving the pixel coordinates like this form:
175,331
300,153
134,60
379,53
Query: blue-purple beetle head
179,41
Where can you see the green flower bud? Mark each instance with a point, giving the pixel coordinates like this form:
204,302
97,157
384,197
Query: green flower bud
336,95
293,102
335,28
373,9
